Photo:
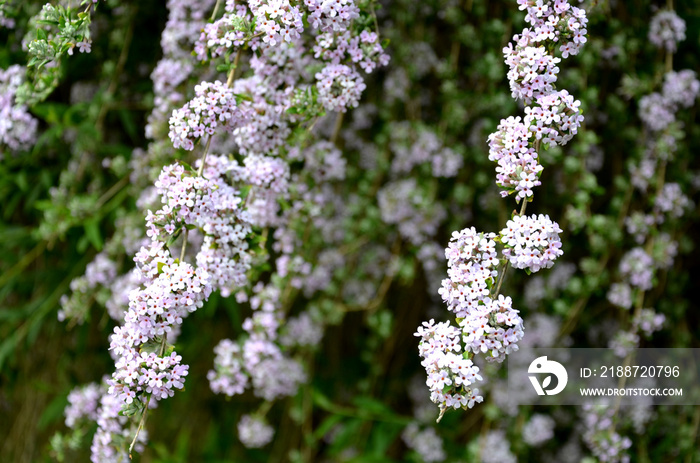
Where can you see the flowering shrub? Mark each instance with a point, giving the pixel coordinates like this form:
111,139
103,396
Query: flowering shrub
223,220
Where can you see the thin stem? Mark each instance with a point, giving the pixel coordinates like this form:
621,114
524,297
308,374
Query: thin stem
184,245
142,422
502,273
338,125
216,10
522,208
442,413
500,280
386,282
111,192
204,157
374,17
114,80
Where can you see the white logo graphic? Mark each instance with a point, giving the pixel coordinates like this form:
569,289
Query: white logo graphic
550,367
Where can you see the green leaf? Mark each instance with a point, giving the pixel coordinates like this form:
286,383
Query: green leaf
92,231
373,406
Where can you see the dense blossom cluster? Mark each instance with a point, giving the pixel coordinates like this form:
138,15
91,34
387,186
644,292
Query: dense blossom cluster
214,104
91,403
450,375
177,291
276,20
415,146
538,430
364,49
658,110
83,403
278,26
254,432
666,30
425,443
493,328
403,203
605,443
100,272
489,325
17,126
339,87
257,360
472,262
113,430
496,448
531,242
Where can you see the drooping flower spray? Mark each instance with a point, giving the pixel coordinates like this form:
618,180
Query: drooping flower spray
487,323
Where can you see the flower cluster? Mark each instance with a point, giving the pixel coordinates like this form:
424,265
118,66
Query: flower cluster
91,403
100,272
339,87
637,267
276,20
214,206
450,375
254,432
230,31
531,242
256,360
471,261
532,68
493,328
670,201
331,15
142,366
518,165
605,443
82,403
658,110
214,104
489,325
426,443
538,430
364,49
17,126
402,202
416,145
113,430
666,30
647,321
553,121
498,448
